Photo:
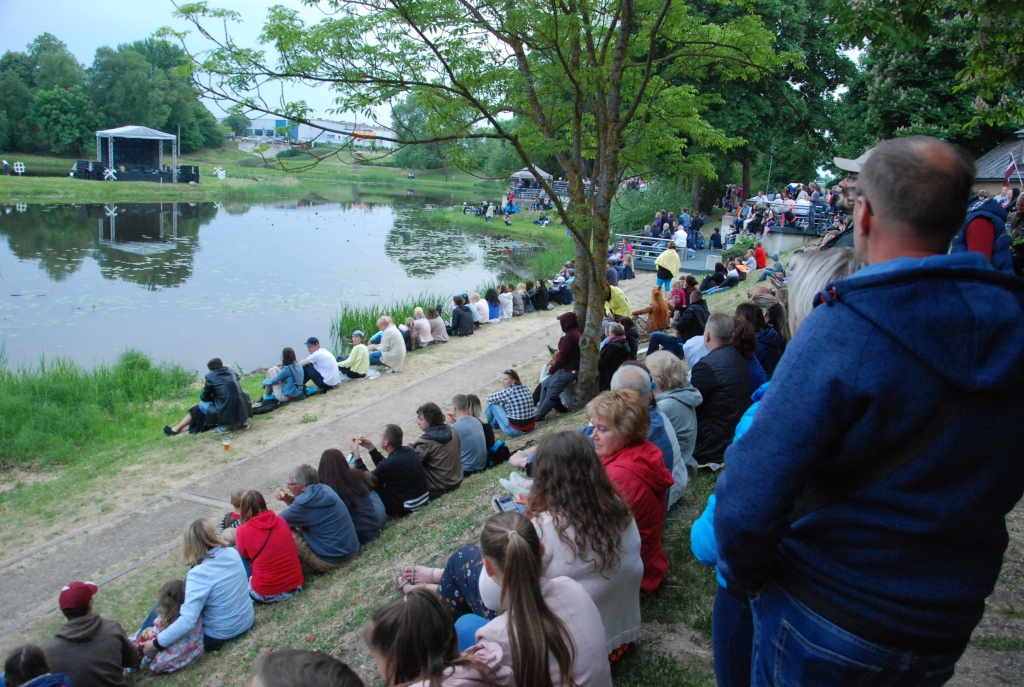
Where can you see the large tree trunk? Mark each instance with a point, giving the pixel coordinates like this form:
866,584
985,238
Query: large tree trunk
747,193
695,194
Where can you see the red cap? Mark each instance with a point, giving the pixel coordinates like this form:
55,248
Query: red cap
76,596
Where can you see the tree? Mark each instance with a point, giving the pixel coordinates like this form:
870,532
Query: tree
128,90
238,123
992,68
66,118
16,101
592,84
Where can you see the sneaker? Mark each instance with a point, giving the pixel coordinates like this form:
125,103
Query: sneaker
245,425
512,487
220,429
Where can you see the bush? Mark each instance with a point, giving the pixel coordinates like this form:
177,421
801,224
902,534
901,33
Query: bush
738,249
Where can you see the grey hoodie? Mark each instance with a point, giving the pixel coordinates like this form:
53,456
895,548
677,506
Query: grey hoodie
680,406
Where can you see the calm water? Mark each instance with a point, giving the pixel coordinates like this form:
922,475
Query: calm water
186,282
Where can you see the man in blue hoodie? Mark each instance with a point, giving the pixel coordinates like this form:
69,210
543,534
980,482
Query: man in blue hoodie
321,524
884,582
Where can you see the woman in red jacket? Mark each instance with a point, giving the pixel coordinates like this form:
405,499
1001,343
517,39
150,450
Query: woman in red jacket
265,544
637,469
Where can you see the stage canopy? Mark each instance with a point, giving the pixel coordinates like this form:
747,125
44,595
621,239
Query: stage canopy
525,173
138,149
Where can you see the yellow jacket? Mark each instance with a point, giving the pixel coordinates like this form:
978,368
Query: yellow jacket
358,360
669,259
618,303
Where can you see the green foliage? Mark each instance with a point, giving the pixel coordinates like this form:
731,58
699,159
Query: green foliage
238,123
738,249
16,102
59,410
349,317
66,119
5,130
634,209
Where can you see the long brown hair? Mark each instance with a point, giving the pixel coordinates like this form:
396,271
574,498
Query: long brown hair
334,471
510,541
415,636
172,596
570,483
250,505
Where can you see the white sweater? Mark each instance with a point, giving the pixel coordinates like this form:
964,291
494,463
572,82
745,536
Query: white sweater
616,593
506,305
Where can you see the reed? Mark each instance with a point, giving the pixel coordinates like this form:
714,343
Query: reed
363,317
59,411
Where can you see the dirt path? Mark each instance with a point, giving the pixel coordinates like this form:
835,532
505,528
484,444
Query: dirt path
156,505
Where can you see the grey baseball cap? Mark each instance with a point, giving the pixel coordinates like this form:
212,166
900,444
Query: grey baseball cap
848,165
359,333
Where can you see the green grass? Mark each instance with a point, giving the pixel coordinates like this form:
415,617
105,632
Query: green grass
351,317
59,411
999,643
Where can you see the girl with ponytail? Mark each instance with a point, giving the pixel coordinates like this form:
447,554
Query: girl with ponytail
549,630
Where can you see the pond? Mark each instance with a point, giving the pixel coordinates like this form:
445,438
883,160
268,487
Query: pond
185,282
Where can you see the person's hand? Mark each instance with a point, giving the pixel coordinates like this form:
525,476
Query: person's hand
149,649
353,446
366,443
449,418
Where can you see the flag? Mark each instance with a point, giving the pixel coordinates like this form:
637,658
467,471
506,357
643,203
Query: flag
1010,169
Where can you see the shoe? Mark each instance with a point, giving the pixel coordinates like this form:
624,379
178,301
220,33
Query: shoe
245,425
512,487
515,477
169,432
538,418
220,429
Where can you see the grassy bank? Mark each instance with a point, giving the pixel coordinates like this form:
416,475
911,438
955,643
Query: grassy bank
247,178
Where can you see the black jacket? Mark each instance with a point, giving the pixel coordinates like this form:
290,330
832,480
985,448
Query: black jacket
540,298
723,380
401,481
462,321
231,405
613,355
692,321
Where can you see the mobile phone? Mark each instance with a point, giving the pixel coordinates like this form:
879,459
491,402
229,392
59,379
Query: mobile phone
505,504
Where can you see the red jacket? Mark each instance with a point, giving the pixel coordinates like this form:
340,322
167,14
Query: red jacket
639,473
275,565
761,257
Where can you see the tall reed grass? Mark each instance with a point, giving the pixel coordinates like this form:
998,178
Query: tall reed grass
59,410
363,317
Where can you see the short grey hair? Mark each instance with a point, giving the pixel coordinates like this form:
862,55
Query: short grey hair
812,272
633,377
720,326
667,370
304,475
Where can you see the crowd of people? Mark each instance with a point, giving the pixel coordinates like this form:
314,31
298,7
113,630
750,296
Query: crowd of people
856,532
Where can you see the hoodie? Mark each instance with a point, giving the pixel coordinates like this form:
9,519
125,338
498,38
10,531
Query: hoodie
984,231
487,653
440,451
916,553
92,651
326,523
640,475
680,406
614,352
49,680
568,355
266,542
462,321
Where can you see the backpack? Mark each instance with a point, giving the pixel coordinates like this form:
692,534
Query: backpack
993,212
498,454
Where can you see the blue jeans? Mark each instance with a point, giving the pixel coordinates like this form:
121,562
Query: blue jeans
552,388
795,646
668,342
732,637
466,627
378,508
498,418
375,358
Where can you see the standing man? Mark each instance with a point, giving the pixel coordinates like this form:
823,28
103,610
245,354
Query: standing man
685,220
874,535
320,367
472,441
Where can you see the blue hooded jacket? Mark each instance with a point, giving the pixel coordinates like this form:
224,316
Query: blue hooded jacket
326,523
917,552
1002,258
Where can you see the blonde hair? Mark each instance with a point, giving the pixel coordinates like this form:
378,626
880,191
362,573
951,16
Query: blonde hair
200,538
521,287
417,311
236,497
667,370
626,410
812,272
474,297
383,322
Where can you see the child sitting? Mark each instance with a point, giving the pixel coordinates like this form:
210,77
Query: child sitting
183,652
232,519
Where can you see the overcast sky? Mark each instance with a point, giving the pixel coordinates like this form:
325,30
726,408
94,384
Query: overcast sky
85,25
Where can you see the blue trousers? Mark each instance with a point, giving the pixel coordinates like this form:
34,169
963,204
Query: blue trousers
795,646
732,638
465,628
498,418
665,283
668,342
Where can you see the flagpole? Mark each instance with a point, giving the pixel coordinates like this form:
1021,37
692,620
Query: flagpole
1017,169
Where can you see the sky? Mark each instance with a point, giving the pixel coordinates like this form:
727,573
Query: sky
85,25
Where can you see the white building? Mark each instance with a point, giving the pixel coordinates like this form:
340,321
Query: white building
363,135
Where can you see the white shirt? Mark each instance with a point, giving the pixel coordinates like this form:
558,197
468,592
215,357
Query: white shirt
681,239
324,362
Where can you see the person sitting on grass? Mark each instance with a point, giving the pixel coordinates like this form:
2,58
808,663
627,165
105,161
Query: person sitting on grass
300,668
267,549
493,306
439,450
438,332
614,352
398,482
745,342
512,409
414,643
637,468
216,593
321,524
507,302
678,400
769,343
356,364
517,298
27,666
89,649
632,335
483,312
285,381
350,485
222,405
408,332
476,410
472,441
232,519
390,352
690,324
715,279
540,297
186,650
320,366
424,335
462,317
775,270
